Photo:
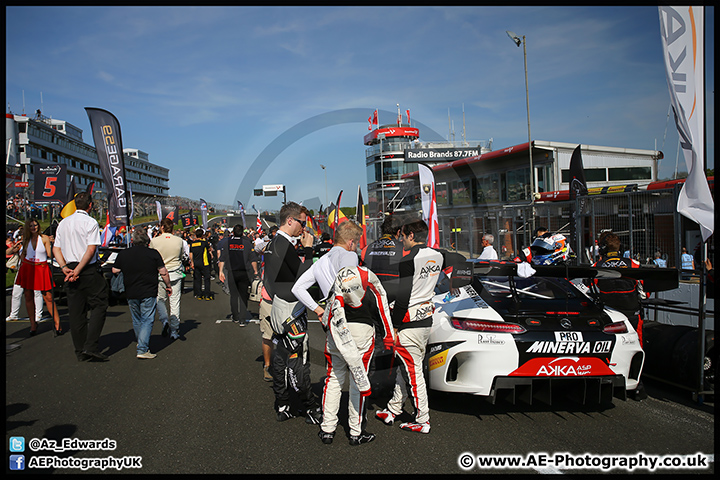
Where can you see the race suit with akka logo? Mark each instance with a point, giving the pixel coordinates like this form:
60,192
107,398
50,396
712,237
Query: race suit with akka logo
419,273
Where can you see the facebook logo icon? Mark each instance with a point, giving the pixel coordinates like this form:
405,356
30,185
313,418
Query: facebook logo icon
17,462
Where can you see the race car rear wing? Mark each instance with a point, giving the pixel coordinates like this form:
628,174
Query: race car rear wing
654,279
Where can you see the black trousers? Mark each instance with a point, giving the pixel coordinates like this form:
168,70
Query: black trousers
201,277
87,295
290,372
239,284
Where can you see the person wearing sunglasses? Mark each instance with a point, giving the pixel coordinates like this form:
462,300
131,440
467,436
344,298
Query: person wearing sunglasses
288,317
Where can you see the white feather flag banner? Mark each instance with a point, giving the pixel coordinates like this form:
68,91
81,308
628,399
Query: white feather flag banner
683,41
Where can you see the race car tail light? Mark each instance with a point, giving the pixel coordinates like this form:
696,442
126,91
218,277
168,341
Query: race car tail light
616,327
487,326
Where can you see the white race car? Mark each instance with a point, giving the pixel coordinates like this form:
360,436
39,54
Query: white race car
501,333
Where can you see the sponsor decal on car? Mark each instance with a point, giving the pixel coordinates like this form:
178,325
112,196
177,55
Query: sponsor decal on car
489,339
603,346
563,367
568,337
438,352
438,360
479,302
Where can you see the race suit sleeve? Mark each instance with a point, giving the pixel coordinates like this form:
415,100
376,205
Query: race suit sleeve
382,307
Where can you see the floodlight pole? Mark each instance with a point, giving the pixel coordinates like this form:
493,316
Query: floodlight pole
517,41
326,188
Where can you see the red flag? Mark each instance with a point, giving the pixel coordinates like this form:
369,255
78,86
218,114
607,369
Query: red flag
408,115
108,231
370,122
375,117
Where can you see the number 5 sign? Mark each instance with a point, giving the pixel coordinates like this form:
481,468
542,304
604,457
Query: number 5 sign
50,183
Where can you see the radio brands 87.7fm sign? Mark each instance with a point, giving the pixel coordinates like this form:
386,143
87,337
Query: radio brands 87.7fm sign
439,154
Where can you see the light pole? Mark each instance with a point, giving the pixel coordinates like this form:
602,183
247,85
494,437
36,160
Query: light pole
518,41
326,189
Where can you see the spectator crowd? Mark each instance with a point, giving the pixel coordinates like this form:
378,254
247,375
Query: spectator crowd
372,298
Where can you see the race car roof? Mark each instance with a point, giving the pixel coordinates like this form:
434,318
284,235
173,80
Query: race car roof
654,279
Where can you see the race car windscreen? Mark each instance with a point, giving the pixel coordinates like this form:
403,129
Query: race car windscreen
532,287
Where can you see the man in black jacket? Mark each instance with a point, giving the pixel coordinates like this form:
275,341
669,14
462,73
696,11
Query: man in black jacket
240,258
290,366
383,256
324,246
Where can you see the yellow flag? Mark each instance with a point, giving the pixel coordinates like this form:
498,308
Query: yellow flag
68,209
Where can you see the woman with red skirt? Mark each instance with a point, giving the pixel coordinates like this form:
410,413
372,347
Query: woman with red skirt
35,273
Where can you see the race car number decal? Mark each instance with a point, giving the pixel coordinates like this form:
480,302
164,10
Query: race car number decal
563,367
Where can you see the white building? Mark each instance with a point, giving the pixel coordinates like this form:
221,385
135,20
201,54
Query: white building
31,142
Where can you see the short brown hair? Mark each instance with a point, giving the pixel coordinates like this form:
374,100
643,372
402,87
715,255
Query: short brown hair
418,228
167,225
390,226
290,209
611,242
83,200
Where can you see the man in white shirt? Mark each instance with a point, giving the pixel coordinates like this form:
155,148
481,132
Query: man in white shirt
259,243
75,249
488,252
688,262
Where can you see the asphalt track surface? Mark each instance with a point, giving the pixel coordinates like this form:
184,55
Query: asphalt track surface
201,407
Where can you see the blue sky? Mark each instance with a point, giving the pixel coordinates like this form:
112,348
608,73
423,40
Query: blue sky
204,90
